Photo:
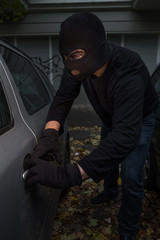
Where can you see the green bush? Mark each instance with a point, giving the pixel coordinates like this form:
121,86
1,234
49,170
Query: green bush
11,11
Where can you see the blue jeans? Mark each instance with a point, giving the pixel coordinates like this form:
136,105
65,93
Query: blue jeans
110,181
132,179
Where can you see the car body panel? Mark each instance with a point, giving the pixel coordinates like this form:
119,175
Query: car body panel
37,120
26,213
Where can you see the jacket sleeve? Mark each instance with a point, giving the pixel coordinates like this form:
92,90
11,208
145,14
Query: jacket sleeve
69,89
128,97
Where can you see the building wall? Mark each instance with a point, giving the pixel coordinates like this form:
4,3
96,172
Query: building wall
37,35
44,50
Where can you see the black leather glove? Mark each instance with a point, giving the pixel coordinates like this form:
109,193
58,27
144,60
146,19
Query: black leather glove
52,175
47,143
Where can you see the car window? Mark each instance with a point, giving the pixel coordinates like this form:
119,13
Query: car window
156,82
31,88
50,86
5,118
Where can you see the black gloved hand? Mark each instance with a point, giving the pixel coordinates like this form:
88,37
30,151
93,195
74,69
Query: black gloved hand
52,175
48,142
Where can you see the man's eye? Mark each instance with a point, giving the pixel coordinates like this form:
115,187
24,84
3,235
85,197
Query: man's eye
77,55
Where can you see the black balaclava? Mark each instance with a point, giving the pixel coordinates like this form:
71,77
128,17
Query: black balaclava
83,31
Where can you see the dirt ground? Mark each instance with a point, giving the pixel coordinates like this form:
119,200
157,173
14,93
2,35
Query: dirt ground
76,219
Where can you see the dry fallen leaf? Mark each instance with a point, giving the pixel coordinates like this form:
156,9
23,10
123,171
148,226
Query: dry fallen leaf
76,219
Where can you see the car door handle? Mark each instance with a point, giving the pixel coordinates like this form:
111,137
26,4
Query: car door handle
24,175
49,157
25,170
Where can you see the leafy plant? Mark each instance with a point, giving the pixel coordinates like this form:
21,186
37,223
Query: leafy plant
11,11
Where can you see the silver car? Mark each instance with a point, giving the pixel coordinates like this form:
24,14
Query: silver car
25,96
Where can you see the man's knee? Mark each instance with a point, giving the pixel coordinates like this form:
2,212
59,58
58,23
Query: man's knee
131,178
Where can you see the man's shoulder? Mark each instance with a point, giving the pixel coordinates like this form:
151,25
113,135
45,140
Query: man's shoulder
123,59
119,51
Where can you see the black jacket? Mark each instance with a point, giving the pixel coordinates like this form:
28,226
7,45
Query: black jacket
122,97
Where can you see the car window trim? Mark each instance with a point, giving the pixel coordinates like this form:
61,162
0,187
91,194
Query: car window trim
11,123
34,67
17,103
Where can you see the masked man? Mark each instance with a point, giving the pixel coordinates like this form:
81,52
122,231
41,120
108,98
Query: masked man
119,88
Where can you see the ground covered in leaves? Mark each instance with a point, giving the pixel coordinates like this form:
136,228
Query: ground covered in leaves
76,219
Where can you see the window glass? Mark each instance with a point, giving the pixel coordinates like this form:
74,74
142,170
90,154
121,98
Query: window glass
29,84
49,85
5,118
145,46
34,46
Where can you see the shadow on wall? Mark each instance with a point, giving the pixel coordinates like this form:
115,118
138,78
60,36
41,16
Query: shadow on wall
82,113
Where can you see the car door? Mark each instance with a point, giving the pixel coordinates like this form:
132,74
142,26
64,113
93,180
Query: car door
33,97
16,141
25,213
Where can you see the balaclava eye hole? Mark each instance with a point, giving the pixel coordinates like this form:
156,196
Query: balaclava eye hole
75,54
84,31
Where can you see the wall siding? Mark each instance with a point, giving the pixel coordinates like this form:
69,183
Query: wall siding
114,22
37,35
